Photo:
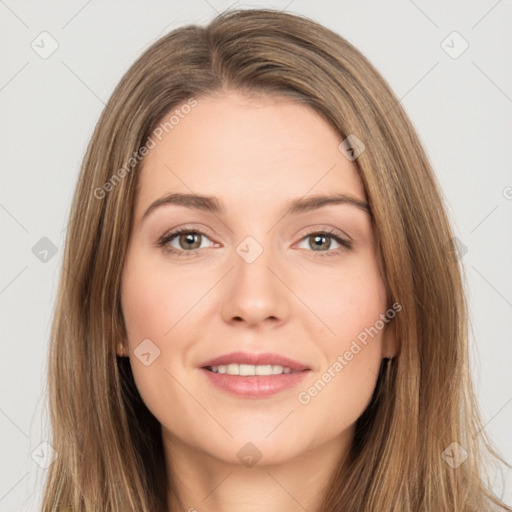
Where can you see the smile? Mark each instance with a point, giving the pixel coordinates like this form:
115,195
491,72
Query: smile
250,369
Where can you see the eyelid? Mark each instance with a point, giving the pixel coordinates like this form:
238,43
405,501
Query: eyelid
314,228
186,228
308,230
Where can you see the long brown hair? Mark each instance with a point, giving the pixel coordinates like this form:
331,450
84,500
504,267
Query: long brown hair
110,453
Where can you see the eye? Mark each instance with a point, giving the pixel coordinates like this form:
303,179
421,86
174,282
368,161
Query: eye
188,238
320,239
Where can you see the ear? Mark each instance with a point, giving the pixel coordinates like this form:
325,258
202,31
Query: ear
390,345
121,351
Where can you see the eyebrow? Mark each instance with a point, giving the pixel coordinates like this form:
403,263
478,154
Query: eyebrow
212,204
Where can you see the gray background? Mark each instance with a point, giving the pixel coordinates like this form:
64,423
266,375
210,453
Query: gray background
460,104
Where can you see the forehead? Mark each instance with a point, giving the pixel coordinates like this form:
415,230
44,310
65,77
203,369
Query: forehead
249,151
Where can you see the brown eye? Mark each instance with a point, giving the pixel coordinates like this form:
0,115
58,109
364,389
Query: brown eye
320,242
188,238
188,241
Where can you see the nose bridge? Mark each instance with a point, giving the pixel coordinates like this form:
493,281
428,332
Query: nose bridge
255,293
252,265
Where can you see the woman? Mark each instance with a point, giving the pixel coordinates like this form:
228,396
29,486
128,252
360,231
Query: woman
265,369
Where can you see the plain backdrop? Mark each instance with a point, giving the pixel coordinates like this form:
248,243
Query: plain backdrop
448,62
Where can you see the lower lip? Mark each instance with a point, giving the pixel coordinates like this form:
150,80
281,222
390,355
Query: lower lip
255,386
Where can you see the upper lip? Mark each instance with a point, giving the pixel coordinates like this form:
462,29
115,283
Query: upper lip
256,359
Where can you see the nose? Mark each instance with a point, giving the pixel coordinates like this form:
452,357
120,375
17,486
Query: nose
255,293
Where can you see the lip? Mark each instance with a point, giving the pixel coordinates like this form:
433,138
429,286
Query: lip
255,386
256,359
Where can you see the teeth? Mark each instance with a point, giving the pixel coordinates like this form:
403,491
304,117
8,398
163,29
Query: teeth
250,369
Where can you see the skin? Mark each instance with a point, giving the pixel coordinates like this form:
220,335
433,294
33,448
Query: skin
203,305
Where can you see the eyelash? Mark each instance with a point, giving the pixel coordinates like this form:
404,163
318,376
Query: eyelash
164,240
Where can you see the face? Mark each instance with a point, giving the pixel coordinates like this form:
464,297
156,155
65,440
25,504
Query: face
249,278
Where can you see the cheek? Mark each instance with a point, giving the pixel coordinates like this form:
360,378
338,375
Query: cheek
346,301
158,310
349,306
155,301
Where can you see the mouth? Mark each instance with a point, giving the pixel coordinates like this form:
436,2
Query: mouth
248,370
245,363
254,375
